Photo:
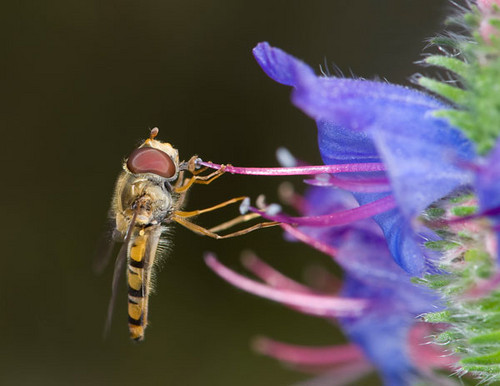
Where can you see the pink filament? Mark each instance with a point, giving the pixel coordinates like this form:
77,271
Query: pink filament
270,275
288,195
320,279
319,305
315,243
341,375
303,355
339,218
275,278
374,185
299,170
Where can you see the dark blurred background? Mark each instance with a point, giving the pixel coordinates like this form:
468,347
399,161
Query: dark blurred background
83,83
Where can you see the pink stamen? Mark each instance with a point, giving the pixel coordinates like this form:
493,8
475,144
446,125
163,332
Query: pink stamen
299,170
424,354
375,185
271,276
339,218
341,375
315,243
321,280
276,279
319,305
303,355
288,195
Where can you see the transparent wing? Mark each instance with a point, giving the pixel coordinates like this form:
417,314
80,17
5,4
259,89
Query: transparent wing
117,273
105,249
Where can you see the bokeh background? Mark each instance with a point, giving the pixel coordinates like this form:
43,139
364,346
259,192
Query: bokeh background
83,83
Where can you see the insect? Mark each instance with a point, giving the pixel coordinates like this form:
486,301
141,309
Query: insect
148,198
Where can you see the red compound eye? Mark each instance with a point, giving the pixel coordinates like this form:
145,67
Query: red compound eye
151,160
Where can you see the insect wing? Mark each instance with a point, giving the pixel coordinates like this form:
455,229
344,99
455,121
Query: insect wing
105,249
118,271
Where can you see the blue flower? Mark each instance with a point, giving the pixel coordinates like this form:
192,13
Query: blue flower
487,180
363,121
392,157
394,302
377,304
487,189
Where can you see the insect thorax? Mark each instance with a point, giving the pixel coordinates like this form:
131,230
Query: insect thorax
146,195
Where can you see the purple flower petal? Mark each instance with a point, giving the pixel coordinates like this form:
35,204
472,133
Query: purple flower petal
366,121
395,302
277,65
487,187
487,182
382,330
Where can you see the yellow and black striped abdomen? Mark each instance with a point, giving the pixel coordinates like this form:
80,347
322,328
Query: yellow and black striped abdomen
141,256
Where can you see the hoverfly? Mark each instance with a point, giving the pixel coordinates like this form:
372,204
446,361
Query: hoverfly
148,197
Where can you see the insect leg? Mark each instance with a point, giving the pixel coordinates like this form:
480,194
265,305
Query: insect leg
191,166
215,207
235,221
206,232
204,180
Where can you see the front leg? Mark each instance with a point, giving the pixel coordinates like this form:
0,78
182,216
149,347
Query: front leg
197,179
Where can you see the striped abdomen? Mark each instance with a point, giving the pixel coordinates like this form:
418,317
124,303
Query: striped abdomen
141,256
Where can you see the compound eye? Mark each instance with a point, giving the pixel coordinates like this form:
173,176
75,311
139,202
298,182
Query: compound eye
151,160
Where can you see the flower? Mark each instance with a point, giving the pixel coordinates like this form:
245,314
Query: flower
376,306
385,145
388,147
400,158
487,188
426,173
363,121
383,329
